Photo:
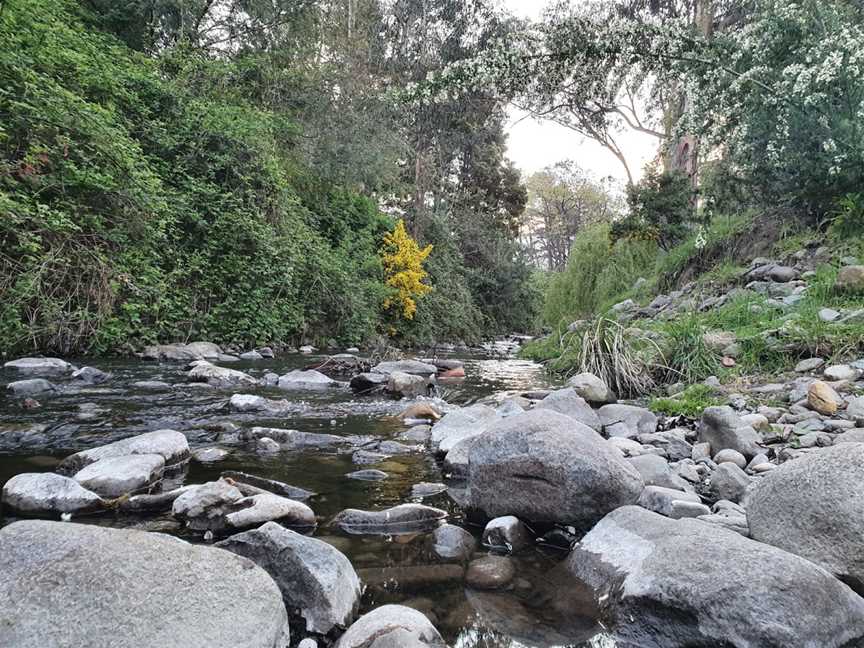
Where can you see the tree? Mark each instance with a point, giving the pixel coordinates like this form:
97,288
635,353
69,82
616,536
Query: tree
563,200
403,270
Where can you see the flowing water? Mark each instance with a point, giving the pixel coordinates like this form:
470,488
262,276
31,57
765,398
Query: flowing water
544,608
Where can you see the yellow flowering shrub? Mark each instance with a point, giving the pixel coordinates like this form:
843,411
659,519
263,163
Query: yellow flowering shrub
403,270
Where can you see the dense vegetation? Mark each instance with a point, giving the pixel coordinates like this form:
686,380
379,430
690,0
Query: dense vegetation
228,171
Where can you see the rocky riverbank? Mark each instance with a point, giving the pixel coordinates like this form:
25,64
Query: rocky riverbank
740,526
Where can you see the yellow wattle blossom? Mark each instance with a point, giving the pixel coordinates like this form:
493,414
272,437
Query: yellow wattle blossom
403,270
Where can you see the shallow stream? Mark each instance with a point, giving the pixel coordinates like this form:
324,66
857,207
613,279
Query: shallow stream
542,610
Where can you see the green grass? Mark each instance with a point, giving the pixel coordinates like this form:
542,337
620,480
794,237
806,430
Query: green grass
691,402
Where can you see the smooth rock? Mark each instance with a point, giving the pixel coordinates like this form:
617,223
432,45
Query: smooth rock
729,482
90,375
86,586
204,507
822,398
367,475
407,385
542,466
635,420
592,389
655,471
30,387
568,402
723,429
670,502
267,507
48,494
306,380
412,367
367,382
171,445
810,364
683,583
391,626
460,424
507,533
452,542
733,456
39,366
404,518
221,377
209,455
814,507
315,579
116,476
836,373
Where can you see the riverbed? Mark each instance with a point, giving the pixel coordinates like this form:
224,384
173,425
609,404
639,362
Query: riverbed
539,611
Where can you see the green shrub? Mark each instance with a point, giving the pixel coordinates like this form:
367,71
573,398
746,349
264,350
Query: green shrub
597,272
662,209
691,402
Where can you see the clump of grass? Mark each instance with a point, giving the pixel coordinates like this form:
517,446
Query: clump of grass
691,402
623,360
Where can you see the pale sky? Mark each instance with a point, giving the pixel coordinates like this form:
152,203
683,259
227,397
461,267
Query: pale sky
533,145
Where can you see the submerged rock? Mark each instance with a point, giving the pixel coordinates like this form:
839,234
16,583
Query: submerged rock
131,589
542,466
48,494
316,580
405,518
367,475
490,573
392,626
686,583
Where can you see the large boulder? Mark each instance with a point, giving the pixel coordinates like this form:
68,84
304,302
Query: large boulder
592,389
171,445
392,626
268,507
684,583
116,476
222,377
204,507
30,387
627,421
295,439
459,424
48,494
39,366
542,466
813,506
317,581
87,586
723,429
306,380
413,367
568,402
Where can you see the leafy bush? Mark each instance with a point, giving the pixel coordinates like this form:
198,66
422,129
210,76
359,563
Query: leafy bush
597,272
661,209
690,402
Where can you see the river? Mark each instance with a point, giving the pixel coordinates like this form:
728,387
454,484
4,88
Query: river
541,610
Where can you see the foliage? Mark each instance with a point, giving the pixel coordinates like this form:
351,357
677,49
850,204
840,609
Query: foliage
562,200
597,272
403,262
847,219
691,402
661,209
